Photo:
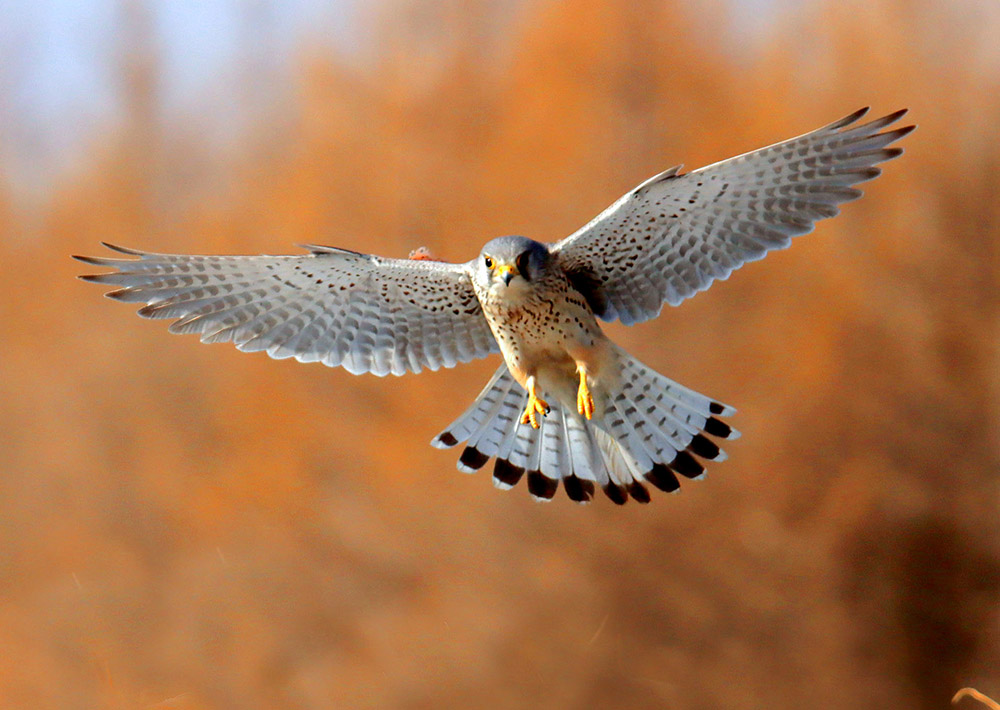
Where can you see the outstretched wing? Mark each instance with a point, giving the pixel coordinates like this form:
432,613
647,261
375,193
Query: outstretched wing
674,234
335,306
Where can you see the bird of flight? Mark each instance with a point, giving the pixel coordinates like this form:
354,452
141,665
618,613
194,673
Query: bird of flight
566,404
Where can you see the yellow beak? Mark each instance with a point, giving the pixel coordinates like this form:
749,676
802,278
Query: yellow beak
506,272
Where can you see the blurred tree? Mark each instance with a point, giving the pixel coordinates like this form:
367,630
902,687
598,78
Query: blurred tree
248,533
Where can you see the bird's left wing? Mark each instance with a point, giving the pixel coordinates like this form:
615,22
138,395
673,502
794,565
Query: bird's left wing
339,307
674,234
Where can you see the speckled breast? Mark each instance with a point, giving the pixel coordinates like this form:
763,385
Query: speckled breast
541,326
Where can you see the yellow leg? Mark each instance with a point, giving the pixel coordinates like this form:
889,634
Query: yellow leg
584,402
536,406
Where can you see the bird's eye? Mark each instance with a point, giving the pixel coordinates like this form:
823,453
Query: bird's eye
488,261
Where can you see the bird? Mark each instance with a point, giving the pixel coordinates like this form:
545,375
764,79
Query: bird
566,404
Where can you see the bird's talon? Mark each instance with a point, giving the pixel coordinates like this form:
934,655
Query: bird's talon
536,405
584,400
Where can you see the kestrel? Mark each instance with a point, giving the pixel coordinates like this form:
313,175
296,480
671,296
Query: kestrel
567,404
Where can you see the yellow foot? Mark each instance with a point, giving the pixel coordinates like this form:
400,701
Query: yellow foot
584,402
536,406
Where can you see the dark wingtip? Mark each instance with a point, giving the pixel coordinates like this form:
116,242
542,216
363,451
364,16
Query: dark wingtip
716,408
95,260
849,118
122,250
865,174
118,294
320,249
863,111
896,115
887,120
903,131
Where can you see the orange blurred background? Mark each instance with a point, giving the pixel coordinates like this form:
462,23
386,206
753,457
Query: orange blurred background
190,527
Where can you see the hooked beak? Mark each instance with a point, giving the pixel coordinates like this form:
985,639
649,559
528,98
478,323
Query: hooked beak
506,272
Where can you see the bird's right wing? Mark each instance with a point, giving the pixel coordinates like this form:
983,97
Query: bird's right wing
675,234
338,307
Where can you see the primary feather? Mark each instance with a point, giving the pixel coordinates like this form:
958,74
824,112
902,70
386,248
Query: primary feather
338,307
675,234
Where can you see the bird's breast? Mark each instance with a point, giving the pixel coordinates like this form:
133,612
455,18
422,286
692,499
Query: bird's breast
545,332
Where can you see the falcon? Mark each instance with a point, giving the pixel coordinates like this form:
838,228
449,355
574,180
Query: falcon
566,404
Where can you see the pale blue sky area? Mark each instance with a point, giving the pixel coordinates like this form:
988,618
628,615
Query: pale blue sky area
57,59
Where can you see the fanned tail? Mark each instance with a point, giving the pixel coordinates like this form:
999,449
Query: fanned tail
560,449
652,430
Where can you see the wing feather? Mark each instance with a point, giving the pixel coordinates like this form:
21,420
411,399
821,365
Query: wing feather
675,234
336,306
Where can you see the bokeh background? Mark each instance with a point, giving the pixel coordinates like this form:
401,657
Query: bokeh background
184,526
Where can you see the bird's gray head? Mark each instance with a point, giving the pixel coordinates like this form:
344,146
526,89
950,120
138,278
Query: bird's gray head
511,263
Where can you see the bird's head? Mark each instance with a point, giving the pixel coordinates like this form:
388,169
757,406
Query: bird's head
511,264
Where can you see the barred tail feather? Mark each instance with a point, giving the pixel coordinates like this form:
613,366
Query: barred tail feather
465,426
584,461
653,431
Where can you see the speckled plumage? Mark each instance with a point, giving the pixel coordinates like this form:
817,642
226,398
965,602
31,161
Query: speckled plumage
543,325
603,419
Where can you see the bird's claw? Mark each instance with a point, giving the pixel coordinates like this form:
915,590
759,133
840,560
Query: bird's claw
535,407
584,400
